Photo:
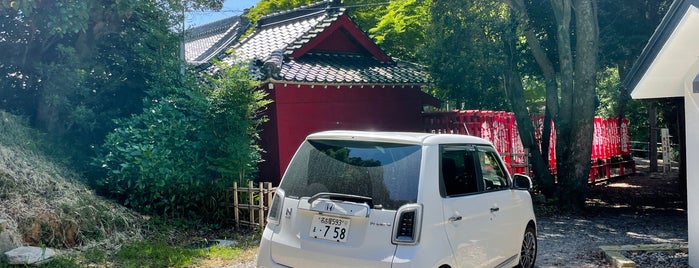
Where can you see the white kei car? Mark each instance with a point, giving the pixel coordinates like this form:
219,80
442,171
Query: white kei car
392,199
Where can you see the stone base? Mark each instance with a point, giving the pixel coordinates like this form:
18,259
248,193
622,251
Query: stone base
29,255
614,256
7,242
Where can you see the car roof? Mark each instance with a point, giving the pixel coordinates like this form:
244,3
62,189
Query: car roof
398,137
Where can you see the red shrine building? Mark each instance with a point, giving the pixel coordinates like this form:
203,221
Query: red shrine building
322,73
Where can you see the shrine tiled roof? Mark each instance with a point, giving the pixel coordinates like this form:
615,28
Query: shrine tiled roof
205,42
348,68
285,47
287,31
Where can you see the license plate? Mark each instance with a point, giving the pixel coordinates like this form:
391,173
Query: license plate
330,228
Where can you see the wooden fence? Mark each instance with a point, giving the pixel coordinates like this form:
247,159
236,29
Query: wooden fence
250,204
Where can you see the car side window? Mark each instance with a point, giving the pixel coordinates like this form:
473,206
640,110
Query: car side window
493,173
458,170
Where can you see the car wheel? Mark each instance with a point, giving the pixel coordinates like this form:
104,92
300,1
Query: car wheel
527,255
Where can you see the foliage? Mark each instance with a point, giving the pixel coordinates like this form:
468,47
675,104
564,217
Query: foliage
464,53
73,66
534,94
668,116
367,13
236,110
625,27
608,92
266,7
401,31
178,155
153,160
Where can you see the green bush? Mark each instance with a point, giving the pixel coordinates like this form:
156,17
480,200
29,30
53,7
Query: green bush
188,144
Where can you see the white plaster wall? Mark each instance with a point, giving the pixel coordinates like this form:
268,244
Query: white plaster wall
691,102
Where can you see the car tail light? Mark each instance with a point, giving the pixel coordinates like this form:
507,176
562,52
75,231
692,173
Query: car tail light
275,210
406,226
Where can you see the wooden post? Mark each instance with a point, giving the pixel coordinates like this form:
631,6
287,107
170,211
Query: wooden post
270,195
622,165
250,203
653,138
235,204
526,162
261,207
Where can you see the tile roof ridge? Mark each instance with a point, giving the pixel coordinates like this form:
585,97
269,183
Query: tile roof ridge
322,24
337,53
257,29
325,6
210,28
404,63
231,34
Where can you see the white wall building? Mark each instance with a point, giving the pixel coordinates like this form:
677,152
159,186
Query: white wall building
669,67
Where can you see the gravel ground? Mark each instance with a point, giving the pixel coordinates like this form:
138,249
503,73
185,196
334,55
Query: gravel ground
639,209
659,259
574,241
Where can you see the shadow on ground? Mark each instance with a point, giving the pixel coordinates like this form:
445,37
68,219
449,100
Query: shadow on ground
645,208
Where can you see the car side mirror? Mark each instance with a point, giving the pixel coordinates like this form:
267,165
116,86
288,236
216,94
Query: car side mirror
522,182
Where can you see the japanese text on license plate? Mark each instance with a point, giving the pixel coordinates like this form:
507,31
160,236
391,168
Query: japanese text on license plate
329,228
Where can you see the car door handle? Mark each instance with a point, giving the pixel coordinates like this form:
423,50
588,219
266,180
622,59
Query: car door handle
494,209
454,218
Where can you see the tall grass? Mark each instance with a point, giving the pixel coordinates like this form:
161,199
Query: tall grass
45,203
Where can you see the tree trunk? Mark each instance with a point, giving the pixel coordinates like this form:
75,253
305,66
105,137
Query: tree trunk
578,102
543,175
574,111
562,13
652,137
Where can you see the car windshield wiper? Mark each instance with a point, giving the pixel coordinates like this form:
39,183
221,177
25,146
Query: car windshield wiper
343,197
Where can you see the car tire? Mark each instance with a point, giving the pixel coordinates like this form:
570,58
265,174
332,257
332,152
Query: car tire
527,255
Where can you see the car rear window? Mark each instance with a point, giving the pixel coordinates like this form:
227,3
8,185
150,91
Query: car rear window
386,172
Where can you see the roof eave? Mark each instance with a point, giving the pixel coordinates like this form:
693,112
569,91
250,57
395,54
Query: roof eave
655,44
341,83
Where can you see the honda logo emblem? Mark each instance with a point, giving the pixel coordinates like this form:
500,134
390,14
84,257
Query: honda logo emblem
329,206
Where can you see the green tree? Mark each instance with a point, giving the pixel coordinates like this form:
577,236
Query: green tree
178,155
463,55
574,108
401,31
266,7
73,66
236,110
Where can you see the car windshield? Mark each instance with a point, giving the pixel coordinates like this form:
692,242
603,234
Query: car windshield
386,172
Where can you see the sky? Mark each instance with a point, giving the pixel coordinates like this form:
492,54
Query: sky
230,8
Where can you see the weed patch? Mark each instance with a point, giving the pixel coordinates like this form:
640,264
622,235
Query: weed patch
154,254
